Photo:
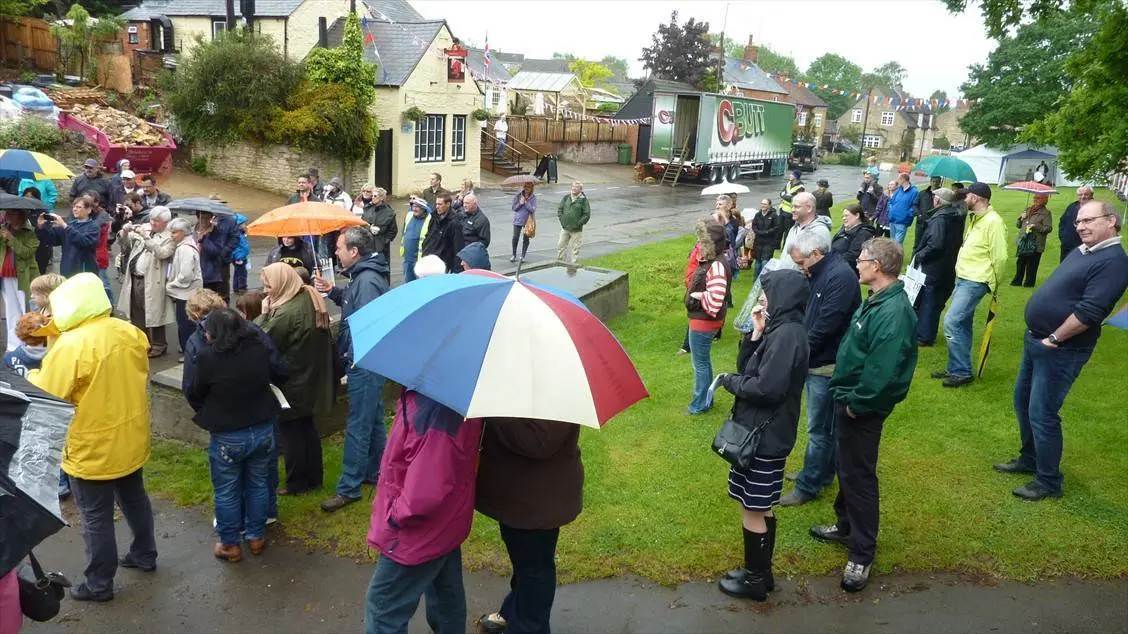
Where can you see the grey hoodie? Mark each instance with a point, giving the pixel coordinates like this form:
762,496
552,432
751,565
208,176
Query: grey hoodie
820,223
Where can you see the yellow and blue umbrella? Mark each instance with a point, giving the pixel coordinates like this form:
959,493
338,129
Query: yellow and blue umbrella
33,165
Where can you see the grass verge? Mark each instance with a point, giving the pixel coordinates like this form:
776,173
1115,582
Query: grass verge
656,503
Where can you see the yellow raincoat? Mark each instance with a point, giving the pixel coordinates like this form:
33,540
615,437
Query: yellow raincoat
101,365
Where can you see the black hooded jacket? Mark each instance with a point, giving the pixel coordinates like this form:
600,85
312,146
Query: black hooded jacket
368,279
940,246
773,369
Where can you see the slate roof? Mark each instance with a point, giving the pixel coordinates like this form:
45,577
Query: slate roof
397,10
543,82
475,59
545,65
744,74
395,51
641,104
803,96
153,8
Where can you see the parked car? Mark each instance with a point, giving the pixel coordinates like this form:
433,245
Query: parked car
841,147
804,156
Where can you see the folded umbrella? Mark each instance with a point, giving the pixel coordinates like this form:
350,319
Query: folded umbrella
487,345
33,165
303,219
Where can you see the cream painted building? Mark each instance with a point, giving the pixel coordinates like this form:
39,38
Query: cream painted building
415,69
292,23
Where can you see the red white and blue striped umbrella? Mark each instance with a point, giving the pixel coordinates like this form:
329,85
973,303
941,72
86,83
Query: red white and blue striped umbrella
487,345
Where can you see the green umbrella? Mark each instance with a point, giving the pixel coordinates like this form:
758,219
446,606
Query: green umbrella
948,167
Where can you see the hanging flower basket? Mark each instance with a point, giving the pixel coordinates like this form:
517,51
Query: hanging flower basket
481,114
414,114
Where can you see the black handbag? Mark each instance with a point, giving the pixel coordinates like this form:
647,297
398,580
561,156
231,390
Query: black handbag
737,443
41,598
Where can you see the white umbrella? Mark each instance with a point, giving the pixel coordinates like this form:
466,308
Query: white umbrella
724,187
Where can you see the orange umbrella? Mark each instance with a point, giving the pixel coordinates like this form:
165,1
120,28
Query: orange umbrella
303,219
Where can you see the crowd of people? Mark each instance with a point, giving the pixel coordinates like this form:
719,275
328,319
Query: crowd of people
260,371
855,357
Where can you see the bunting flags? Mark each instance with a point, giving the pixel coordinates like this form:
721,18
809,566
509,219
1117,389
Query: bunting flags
895,102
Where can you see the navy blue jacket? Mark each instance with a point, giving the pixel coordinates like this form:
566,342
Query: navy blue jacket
367,281
835,296
79,241
1067,232
216,249
197,341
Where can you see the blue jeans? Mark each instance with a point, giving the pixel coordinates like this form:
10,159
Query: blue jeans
760,266
932,300
700,347
395,590
897,232
106,284
957,325
820,460
240,464
1044,378
408,270
365,435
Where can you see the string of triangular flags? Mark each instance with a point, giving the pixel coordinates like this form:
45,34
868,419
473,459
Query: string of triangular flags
568,113
383,17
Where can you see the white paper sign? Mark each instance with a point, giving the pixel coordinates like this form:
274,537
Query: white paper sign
914,280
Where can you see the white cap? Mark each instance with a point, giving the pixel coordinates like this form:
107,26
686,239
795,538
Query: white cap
430,265
128,174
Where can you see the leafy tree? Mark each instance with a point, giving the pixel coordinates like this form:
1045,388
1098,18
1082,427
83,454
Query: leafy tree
770,61
16,8
564,56
835,71
345,64
941,143
1023,79
590,73
679,52
77,39
888,75
619,66
939,96
1002,15
1091,127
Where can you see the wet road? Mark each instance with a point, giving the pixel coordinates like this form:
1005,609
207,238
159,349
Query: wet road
292,590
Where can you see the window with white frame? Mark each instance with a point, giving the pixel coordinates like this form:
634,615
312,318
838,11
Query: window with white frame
430,138
802,117
818,120
458,137
887,118
218,26
134,38
856,116
495,98
872,141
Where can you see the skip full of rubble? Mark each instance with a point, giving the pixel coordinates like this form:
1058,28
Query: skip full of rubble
121,127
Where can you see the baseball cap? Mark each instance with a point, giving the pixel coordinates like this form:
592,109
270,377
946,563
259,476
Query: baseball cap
983,190
90,163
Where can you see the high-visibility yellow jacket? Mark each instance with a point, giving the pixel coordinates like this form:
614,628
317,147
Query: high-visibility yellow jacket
984,251
100,364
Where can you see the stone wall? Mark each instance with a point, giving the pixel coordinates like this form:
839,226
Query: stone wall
590,153
274,168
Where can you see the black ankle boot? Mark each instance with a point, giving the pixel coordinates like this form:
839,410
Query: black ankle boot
769,578
750,583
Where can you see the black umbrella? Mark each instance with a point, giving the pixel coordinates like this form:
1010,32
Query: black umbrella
193,205
29,506
20,203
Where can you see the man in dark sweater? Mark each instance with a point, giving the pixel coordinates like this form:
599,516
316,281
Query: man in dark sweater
835,296
444,238
1063,321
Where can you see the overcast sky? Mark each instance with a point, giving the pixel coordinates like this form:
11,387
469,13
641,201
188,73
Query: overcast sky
935,46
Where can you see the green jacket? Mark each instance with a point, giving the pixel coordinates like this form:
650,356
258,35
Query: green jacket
308,353
573,214
878,354
23,245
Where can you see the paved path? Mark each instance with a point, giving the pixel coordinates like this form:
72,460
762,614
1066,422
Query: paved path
292,590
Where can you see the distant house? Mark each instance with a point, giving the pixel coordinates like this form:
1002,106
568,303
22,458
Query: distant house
809,110
894,118
419,65
172,25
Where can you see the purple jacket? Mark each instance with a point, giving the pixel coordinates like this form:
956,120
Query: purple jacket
881,213
522,211
425,494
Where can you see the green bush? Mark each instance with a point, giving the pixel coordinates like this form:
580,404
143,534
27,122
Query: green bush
853,159
609,108
200,165
30,133
324,117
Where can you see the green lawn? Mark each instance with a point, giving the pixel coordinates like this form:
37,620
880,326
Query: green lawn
656,503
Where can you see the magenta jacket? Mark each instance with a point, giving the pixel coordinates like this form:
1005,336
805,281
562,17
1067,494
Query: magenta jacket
425,494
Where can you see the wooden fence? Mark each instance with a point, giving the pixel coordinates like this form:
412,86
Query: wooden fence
28,41
541,130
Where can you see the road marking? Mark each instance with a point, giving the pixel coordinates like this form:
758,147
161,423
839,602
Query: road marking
615,187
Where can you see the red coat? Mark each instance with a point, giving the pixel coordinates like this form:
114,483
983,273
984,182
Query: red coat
425,495
102,251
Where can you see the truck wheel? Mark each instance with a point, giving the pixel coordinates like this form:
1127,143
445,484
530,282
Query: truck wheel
734,172
716,173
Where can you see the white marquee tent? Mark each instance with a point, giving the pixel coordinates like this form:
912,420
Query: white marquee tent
999,167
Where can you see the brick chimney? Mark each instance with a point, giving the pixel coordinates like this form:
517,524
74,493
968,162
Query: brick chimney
750,51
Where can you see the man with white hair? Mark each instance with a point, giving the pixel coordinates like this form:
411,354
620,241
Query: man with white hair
573,212
1063,322
834,297
806,220
147,250
475,224
1067,232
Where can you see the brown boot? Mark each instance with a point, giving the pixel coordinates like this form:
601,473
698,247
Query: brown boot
257,546
231,553
157,351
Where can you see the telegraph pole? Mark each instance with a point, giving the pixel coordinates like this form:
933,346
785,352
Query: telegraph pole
865,120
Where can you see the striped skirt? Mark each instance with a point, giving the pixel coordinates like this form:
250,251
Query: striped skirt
758,488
